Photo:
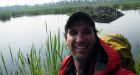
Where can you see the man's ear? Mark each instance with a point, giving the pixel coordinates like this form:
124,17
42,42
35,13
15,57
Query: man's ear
65,36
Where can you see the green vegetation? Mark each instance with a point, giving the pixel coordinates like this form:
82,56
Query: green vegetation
5,15
137,60
65,7
45,61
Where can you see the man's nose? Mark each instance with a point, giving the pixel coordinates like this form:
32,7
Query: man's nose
79,38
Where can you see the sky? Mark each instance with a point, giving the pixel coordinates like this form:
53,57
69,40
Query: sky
24,2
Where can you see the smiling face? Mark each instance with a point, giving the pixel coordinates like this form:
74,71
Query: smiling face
81,39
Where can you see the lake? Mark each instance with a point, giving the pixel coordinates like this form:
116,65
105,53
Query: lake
24,32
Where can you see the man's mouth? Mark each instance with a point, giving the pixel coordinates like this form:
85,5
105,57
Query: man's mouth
80,47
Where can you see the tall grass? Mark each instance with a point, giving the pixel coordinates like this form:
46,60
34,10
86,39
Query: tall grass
137,60
43,61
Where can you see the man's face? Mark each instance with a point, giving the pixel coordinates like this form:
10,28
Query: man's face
81,39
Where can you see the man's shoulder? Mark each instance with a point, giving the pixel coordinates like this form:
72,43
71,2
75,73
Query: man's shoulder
66,59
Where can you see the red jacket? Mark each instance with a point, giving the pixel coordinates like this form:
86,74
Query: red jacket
113,63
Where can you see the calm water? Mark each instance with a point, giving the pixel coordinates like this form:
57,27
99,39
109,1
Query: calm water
25,31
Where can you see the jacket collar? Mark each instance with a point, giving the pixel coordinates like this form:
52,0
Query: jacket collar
113,62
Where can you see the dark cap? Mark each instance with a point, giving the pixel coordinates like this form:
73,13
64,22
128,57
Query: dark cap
79,16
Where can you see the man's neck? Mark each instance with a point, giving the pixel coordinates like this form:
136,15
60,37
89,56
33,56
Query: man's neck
79,65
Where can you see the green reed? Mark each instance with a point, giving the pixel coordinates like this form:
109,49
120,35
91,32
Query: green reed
137,60
43,61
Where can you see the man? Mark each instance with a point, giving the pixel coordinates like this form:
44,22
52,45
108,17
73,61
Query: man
89,55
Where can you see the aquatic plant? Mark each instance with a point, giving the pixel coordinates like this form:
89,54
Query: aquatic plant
43,61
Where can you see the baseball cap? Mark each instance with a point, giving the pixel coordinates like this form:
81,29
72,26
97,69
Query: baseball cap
79,16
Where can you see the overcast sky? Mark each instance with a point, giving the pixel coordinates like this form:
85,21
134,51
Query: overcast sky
23,2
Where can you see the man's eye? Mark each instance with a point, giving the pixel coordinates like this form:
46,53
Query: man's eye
87,32
73,33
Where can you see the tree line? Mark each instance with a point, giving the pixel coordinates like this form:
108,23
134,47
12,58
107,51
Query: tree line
63,7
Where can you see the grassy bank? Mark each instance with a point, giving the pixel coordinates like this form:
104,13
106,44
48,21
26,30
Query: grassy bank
64,7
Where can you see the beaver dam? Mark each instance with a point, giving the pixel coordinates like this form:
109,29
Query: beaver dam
106,14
